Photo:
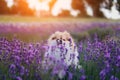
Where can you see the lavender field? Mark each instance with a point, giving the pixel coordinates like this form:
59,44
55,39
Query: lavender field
22,47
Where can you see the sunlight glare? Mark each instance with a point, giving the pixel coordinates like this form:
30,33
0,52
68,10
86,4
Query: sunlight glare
39,5
88,9
9,3
64,5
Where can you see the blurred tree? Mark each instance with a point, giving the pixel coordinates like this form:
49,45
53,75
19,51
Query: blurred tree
3,7
108,4
95,4
51,4
21,7
79,5
64,13
118,5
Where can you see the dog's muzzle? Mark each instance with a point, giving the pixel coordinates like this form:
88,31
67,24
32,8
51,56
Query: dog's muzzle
59,41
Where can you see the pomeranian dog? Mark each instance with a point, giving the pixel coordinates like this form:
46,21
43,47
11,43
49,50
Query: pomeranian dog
62,51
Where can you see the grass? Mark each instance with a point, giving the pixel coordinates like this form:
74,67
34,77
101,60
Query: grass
16,18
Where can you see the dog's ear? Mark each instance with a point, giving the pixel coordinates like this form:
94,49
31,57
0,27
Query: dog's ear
53,38
66,33
68,37
57,32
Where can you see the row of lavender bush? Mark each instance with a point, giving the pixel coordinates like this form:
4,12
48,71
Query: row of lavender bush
50,27
41,31
99,60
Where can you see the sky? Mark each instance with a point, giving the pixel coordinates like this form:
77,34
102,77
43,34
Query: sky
61,5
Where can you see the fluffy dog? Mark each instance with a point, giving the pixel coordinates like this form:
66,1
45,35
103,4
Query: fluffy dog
61,51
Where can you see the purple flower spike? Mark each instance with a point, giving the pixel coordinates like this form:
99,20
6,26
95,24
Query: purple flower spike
83,77
113,78
18,78
70,75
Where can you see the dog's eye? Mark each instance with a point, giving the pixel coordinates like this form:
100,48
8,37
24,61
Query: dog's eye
53,38
69,39
57,39
63,39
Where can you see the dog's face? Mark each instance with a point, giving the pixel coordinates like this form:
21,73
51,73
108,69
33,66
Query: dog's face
65,54
61,38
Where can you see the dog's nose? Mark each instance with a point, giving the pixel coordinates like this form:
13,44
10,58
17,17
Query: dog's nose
60,41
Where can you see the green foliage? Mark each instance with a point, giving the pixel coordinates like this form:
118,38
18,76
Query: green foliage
101,32
80,36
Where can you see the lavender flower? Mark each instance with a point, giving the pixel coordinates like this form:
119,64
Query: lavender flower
19,78
113,78
83,77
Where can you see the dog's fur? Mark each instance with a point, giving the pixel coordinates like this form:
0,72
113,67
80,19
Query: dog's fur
68,52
